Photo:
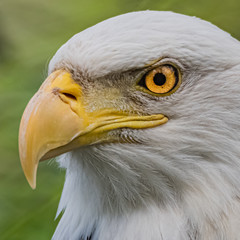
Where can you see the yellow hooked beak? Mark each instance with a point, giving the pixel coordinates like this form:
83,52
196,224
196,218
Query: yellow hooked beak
55,121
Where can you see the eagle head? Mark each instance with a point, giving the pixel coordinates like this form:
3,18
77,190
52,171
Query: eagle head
144,110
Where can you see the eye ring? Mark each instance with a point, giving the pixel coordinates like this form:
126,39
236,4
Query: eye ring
161,81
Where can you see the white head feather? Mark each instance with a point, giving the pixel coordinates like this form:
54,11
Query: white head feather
182,181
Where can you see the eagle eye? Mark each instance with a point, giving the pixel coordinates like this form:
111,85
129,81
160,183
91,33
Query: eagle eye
162,80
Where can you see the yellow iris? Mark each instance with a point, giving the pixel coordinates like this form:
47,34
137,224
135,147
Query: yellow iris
161,80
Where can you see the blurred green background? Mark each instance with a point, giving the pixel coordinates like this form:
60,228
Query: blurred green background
30,33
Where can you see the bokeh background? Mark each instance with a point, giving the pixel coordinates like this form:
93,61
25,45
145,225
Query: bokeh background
30,33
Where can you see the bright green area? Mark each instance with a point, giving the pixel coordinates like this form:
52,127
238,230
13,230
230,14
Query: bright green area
30,33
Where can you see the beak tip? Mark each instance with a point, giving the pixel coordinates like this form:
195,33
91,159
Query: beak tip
32,182
33,186
31,175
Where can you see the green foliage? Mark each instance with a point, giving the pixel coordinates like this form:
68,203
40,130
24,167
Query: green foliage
30,33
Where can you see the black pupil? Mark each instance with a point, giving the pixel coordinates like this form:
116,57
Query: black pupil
159,79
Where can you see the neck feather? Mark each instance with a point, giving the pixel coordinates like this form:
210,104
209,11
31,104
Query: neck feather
112,191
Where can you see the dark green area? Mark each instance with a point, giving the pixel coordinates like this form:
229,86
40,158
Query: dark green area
30,33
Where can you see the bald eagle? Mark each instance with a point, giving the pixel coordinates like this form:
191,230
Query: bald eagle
144,110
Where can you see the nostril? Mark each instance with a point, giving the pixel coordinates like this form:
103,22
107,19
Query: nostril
65,96
69,95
